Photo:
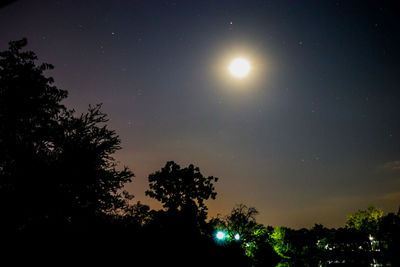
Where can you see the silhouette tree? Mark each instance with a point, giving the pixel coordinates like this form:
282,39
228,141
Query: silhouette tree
29,108
134,215
242,221
389,237
87,176
55,169
182,189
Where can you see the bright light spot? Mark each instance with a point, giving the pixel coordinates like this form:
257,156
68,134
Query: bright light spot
239,67
220,235
237,236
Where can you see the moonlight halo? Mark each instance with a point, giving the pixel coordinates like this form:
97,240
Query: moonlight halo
239,67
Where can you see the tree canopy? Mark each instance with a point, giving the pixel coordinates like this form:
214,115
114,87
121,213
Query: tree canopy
365,220
181,188
55,168
242,221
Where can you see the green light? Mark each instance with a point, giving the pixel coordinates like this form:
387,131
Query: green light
237,236
220,235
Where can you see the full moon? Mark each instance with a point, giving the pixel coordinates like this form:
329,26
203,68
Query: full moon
239,67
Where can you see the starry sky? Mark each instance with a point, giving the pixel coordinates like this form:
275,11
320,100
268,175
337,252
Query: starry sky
310,136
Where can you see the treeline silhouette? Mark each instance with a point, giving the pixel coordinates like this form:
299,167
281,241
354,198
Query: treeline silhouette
60,182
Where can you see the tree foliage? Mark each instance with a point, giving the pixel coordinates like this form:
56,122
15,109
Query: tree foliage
280,241
83,156
181,188
365,220
242,221
56,169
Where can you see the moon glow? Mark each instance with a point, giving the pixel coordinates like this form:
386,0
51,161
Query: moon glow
239,67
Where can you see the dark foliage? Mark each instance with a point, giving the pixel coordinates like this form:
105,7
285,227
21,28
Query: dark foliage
242,221
183,190
56,169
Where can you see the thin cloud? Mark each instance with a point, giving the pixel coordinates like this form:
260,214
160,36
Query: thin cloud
392,165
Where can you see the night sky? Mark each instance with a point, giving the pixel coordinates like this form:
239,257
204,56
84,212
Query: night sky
310,136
